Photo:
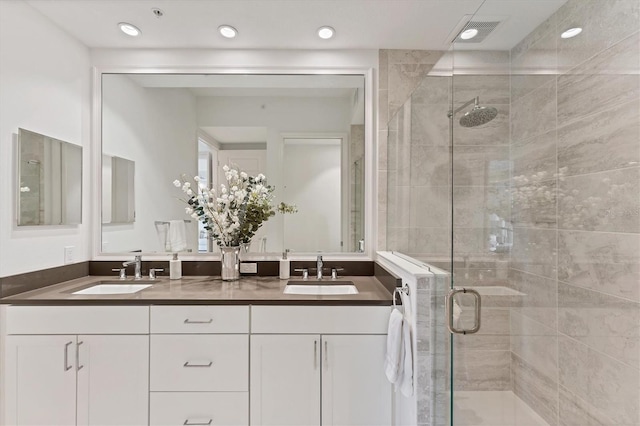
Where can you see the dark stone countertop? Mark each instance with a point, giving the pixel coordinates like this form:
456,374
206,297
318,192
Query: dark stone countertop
202,290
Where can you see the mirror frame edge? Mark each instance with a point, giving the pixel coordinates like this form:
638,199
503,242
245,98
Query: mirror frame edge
370,176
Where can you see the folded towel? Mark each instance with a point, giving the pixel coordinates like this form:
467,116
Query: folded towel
405,381
392,362
177,237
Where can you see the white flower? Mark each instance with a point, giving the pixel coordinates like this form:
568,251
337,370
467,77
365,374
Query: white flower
177,183
194,215
243,175
188,210
225,168
196,178
189,192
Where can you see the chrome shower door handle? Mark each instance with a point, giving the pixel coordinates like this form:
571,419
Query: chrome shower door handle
449,310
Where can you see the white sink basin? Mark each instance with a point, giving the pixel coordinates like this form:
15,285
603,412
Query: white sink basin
321,289
113,289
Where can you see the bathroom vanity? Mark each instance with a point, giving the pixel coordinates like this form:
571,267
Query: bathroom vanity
196,352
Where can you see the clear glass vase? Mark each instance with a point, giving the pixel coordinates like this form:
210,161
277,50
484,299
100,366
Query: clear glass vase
230,263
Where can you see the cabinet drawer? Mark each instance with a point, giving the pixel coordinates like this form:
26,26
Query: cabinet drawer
199,408
77,320
199,319
320,319
199,363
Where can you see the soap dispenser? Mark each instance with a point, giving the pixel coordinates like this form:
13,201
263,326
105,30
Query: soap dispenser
175,268
285,266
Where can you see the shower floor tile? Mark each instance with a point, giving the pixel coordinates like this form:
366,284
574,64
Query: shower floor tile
493,408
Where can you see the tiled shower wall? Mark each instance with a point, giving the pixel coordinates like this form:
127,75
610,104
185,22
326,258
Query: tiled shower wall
481,208
400,72
575,153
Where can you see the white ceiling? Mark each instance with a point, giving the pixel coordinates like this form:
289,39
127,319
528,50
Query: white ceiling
291,24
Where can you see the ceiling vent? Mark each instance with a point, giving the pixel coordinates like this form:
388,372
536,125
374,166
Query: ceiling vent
484,29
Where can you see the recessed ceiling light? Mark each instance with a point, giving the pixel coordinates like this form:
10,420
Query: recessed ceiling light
571,32
326,32
129,29
469,34
227,31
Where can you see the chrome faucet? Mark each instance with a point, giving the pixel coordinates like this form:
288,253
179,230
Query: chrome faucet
138,262
319,267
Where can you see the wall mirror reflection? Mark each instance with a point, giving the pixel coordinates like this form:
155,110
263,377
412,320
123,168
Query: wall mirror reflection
305,133
118,190
50,180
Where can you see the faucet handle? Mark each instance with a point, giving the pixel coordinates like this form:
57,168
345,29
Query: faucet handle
305,272
334,272
122,273
152,272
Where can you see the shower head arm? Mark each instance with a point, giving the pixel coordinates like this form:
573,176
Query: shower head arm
475,101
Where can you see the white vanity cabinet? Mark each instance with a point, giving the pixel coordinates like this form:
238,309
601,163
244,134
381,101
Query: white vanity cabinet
199,365
319,365
68,365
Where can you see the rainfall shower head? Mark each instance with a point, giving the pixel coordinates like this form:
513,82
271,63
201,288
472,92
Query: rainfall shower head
477,116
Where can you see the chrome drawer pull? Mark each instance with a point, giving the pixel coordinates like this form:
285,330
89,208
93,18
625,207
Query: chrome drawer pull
187,364
197,423
188,321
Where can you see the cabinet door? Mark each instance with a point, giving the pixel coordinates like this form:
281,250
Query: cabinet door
40,382
113,380
355,390
285,380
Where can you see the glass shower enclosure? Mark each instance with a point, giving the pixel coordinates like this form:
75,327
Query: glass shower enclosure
514,169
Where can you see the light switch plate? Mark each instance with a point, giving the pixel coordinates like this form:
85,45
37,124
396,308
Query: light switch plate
68,254
248,268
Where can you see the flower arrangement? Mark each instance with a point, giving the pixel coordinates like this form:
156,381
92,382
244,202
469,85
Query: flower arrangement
234,213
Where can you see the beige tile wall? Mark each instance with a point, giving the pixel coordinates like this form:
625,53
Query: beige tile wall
575,151
400,73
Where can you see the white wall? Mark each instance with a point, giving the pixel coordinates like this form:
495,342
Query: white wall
235,60
44,87
155,128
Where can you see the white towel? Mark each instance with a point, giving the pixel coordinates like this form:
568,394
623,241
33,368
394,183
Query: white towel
392,362
177,238
162,229
405,381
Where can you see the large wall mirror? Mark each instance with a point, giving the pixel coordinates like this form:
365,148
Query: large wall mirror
305,133
50,180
